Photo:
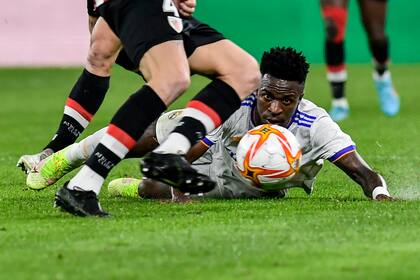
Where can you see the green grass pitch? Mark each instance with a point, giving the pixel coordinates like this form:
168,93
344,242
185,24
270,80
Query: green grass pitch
336,232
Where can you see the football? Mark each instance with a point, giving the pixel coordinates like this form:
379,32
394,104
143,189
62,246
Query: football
268,155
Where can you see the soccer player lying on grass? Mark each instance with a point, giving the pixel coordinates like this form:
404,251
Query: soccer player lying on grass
279,100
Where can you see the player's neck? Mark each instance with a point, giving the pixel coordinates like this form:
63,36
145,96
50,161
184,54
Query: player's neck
255,118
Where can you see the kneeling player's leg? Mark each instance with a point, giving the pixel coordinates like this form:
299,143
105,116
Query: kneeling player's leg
334,13
143,188
154,189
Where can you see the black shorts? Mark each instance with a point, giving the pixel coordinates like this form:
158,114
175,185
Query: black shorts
140,24
91,8
195,34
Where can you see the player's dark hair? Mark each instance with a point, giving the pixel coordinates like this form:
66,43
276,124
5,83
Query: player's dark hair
285,63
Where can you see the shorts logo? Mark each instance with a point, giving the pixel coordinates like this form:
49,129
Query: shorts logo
175,23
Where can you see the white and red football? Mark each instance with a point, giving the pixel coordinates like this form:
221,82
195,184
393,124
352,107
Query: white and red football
268,155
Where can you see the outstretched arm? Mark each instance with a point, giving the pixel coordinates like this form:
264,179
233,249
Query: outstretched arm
373,185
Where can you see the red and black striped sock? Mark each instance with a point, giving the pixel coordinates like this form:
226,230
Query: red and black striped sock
336,68
210,108
84,101
128,124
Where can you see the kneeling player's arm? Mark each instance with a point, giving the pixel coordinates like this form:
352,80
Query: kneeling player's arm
196,151
147,143
372,183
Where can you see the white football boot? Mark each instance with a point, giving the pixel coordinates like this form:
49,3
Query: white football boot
29,162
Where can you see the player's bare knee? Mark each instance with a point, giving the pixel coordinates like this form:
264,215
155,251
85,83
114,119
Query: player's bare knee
100,61
169,87
376,33
179,82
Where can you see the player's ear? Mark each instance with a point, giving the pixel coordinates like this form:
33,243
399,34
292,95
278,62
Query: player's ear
302,93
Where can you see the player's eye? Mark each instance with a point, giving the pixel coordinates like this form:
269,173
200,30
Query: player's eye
286,101
267,96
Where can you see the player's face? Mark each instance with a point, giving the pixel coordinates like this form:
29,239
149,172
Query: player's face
277,100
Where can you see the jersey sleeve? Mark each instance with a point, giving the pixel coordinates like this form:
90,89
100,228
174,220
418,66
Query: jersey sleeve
212,137
329,141
217,134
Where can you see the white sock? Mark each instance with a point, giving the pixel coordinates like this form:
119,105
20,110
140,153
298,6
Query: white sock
176,143
386,75
340,102
74,153
86,180
83,150
340,76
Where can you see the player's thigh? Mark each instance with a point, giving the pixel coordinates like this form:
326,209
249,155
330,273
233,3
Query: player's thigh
373,14
164,59
165,68
92,21
103,39
218,58
142,25
225,60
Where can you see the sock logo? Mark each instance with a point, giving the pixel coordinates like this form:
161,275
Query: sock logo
73,130
102,160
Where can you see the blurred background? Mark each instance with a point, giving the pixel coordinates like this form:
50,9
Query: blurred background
54,33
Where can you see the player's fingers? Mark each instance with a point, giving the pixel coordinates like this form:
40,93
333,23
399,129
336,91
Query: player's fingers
189,3
382,197
185,9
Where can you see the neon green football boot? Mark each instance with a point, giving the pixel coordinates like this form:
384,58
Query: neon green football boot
50,170
124,187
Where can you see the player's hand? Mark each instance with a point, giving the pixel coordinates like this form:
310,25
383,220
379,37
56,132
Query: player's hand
179,197
383,197
186,7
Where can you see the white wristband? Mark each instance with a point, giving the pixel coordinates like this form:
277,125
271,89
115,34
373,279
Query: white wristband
380,190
